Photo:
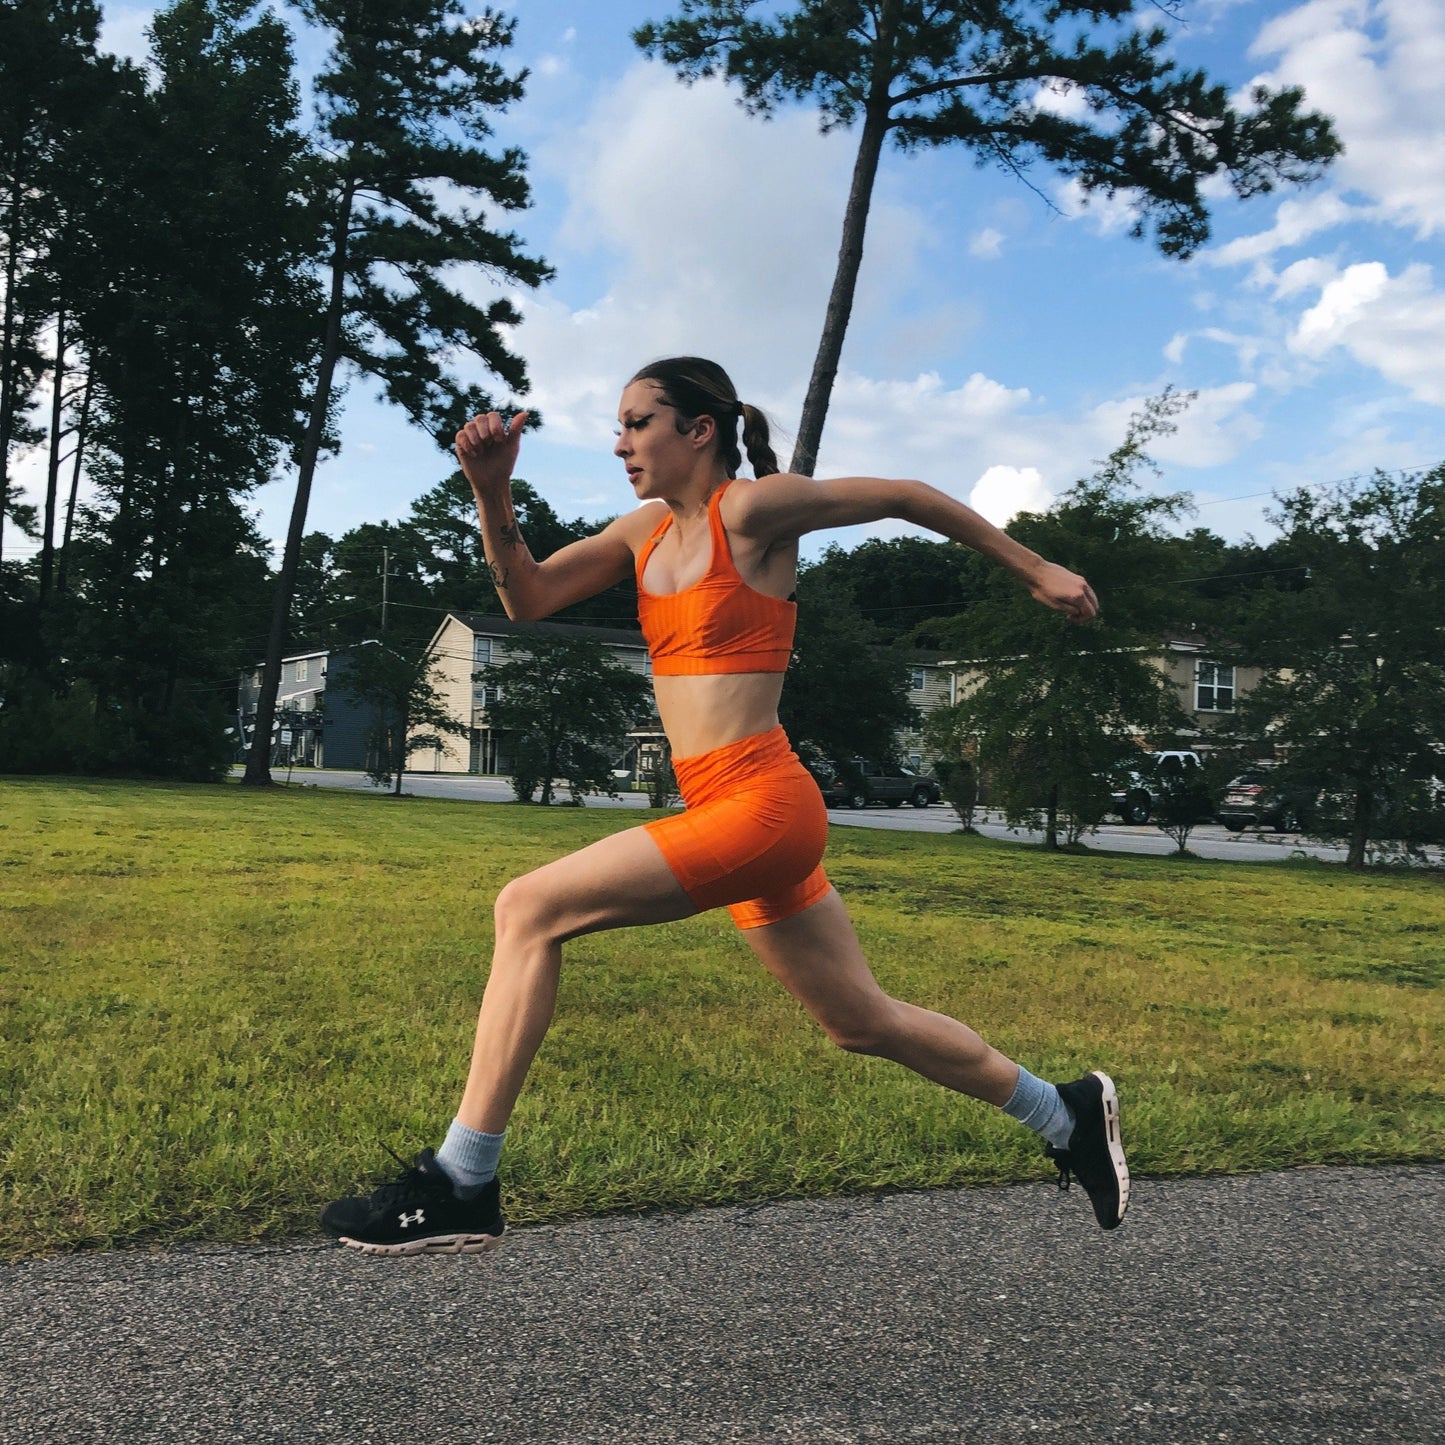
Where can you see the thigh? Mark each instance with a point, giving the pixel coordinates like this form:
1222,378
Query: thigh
616,882
817,957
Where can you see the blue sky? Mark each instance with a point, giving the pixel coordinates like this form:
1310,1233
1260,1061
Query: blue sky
999,343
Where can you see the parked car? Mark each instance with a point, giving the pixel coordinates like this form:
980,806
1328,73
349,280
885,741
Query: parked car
1132,797
864,781
834,790
1254,799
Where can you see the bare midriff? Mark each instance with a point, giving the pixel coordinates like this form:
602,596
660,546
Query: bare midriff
702,713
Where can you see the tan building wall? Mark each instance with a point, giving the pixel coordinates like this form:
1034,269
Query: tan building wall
1200,680
452,646
466,645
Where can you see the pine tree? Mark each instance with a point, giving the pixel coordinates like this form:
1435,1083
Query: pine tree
403,114
921,73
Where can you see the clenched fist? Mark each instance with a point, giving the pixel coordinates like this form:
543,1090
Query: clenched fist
487,450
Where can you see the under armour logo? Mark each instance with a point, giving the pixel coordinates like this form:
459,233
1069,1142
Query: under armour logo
418,1218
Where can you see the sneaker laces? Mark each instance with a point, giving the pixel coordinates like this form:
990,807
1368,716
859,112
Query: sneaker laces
408,1181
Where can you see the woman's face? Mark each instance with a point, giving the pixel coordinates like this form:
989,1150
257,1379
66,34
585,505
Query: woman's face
656,455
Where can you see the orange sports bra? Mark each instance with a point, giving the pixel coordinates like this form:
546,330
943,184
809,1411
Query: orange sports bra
719,624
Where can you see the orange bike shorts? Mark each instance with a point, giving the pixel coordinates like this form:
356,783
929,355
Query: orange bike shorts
753,834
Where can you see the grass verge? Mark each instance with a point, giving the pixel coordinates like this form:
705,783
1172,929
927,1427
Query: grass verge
216,1004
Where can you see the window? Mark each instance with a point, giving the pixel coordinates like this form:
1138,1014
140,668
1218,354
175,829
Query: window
915,682
486,696
301,670
1213,687
482,651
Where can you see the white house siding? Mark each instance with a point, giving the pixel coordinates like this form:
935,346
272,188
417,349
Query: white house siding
935,693
453,680
455,644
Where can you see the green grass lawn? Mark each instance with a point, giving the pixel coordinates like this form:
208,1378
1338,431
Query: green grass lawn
216,1005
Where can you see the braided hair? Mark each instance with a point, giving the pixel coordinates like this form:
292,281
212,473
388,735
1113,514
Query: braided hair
694,387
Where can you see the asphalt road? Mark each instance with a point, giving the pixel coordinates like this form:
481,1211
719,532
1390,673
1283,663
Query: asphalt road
1208,841
1293,1307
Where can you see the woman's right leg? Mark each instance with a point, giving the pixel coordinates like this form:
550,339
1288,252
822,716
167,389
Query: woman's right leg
449,1201
617,882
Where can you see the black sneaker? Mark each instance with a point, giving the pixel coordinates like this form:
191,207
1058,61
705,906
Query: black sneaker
1095,1155
418,1213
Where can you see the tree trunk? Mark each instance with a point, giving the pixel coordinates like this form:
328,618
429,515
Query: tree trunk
7,352
52,472
62,579
1051,819
1359,830
258,766
845,283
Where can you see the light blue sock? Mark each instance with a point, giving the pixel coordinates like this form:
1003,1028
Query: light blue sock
1038,1105
469,1158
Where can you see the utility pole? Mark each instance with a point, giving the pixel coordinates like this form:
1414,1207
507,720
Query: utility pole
385,578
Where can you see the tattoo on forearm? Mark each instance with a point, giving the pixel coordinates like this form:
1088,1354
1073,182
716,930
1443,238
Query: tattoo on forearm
498,575
510,535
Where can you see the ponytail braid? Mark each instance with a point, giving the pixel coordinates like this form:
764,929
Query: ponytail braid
758,442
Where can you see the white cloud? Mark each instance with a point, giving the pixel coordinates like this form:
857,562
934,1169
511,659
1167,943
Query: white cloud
123,31
1391,323
1214,429
987,245
1375,66
1062,98
1109,215
1295,221
708,232
1003,492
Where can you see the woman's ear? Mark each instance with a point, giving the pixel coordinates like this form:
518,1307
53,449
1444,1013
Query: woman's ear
704,430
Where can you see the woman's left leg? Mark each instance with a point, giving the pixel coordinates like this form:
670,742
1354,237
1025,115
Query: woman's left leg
817,957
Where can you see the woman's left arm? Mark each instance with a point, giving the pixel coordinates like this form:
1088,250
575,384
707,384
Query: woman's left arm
784,507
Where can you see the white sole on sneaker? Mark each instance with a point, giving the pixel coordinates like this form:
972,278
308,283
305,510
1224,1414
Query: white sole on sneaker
1114,1138
436,1244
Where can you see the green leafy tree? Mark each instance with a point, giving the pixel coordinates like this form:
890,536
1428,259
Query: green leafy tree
846,693
403,113
1183,794
1353,695
568,706
445,518
1057,709
398,686
903,585
52,84
929,74
195,252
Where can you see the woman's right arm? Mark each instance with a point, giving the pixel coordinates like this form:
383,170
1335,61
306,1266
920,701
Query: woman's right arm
487,450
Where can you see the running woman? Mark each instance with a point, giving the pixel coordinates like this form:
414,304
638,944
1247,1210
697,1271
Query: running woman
715,560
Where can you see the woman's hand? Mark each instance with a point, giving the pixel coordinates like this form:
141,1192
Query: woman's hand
1065,592
487,450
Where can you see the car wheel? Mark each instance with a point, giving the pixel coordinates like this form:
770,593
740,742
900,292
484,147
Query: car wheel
1135,809
1233,825
857,800
921,798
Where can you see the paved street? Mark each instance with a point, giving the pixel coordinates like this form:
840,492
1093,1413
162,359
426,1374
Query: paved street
1295,1307
1208,841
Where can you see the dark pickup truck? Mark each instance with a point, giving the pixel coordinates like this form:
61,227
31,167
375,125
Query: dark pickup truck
869,782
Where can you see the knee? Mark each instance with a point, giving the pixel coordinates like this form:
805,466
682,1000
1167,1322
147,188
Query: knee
868,1031
521,909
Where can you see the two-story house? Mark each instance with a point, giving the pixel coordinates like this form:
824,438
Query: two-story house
315,726
468,645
